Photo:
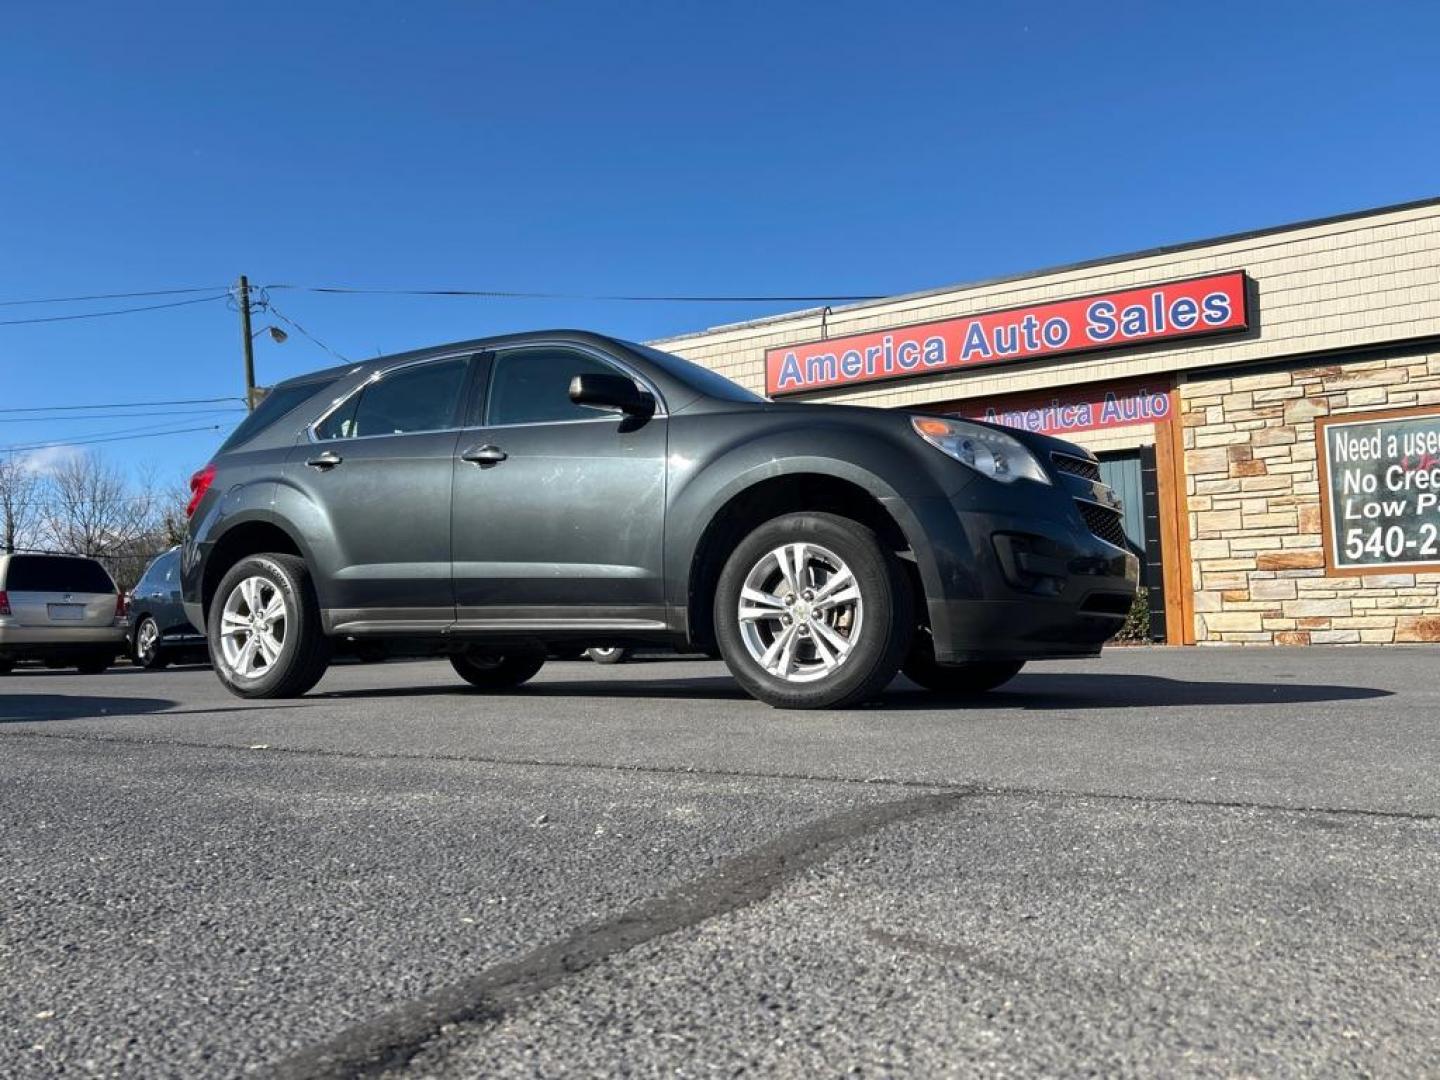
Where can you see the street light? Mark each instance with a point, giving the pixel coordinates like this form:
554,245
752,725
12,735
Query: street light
276,334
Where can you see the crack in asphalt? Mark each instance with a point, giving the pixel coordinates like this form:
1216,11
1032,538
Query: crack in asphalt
392,1038
997,790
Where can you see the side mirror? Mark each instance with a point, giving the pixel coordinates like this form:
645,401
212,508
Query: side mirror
612,392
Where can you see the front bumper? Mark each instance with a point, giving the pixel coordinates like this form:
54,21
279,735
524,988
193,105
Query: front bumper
1027,580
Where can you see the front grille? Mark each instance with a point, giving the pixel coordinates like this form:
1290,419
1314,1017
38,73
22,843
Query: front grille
1104,523
1076,466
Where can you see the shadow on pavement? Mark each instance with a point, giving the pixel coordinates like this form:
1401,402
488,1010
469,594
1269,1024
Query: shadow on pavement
20,708
1036,691
1072,691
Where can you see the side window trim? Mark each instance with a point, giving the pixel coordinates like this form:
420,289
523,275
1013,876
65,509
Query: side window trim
352,400
620,367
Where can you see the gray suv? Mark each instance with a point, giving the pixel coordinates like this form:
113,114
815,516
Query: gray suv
498,499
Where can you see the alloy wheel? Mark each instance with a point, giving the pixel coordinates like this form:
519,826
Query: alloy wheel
801,612
147,640
253,627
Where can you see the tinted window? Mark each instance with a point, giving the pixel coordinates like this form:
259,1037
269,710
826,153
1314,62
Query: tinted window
420,398
533,385
277,403
56,573
148,579
161,571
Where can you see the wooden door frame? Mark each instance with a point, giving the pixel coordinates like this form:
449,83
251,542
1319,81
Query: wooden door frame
1177,568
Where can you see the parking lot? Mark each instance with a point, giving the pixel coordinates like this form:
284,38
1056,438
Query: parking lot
1163,862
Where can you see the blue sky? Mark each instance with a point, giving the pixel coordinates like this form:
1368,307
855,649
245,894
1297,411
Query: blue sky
640,148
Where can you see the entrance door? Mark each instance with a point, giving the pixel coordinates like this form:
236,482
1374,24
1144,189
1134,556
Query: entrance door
1131,473
559,509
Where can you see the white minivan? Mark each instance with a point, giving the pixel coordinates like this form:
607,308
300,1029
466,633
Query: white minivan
63,610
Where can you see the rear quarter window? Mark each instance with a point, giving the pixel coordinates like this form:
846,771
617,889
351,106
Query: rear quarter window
56,573
277,404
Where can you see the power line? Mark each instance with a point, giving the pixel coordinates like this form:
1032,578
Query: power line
270,307
114,311
118,415
109,432
107,439
125,404
110,296
496,294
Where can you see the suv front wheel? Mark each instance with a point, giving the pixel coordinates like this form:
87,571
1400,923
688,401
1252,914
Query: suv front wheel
266,639
813,612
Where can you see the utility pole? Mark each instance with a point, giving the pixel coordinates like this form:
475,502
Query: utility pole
249,343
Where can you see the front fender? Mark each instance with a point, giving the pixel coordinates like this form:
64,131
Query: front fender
900,479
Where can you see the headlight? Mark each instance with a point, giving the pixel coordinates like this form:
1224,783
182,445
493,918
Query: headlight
993,453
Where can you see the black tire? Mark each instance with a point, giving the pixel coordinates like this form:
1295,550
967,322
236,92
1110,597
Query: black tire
94,663
7,665
306,650
614,654
958,679
491,671
152,658
885,630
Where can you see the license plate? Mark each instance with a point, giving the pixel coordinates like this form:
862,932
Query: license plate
60,612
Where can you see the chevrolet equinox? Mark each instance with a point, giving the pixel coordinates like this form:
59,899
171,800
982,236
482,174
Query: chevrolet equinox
496,499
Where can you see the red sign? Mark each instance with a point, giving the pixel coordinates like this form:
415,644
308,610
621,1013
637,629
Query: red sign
1111,320
1081,408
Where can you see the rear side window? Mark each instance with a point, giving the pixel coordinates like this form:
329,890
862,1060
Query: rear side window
277,403
56,573
162,570
414,399
532,386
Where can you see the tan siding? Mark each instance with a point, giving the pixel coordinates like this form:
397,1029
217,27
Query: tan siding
1346,284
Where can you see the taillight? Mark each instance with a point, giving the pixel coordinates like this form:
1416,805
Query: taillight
122,605
199,484
4,603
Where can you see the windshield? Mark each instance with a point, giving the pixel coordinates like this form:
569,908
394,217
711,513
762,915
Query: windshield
702,379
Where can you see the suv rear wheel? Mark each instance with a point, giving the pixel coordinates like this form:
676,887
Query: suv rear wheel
812,612
266,639
493,671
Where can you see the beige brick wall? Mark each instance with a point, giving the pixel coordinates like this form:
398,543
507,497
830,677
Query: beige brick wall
1357,282
1253,486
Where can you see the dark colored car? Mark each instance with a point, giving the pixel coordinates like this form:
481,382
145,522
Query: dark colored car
160,631
498,499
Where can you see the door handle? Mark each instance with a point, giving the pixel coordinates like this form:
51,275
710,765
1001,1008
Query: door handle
325,461
484,455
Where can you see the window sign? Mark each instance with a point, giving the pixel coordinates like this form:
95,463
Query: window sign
1380,488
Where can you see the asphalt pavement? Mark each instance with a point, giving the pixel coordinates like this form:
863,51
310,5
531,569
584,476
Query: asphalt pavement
1164,862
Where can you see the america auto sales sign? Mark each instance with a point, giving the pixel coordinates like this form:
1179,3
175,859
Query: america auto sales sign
1112,320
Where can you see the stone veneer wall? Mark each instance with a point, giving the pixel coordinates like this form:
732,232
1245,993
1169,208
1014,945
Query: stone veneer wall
1254,500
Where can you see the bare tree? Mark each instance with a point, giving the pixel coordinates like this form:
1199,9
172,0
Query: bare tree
91,509
20,508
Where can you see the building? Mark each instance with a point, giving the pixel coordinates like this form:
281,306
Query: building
1267,404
